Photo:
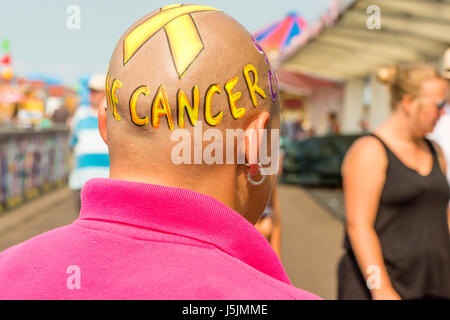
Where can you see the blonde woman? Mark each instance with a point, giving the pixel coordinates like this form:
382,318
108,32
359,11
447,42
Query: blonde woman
396,195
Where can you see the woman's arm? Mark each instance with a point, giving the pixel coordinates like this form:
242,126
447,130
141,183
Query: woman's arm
444,169
448,219
364,173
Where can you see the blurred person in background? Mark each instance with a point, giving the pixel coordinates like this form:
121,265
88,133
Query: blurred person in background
95,96
291,128
46,122
71,103
10,97
91,159
31,110
295,130
364,126
270,222
396,195
441,133
61,114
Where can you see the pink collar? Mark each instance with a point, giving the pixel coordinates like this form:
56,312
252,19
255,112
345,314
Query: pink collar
181,212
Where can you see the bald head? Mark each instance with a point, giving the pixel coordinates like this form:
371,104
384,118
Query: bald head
181,67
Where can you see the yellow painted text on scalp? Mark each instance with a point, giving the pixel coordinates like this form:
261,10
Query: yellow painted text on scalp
160,107
184,40
253,86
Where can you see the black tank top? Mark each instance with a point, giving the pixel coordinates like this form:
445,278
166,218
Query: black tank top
413,230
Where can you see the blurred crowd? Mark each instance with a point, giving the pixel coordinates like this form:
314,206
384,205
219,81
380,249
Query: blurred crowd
299,129
27,103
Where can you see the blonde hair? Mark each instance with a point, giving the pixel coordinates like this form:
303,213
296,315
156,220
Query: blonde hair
406,79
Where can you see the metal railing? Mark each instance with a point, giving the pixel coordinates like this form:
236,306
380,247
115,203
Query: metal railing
32,161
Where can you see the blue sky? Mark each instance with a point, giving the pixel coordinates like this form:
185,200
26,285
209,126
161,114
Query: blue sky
41,41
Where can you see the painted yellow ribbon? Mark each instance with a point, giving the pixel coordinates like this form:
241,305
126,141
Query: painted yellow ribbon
184,39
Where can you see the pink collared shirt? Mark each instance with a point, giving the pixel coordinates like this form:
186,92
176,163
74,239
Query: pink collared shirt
141,241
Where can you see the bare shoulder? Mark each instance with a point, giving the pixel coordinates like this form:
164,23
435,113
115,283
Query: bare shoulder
366,152
367,144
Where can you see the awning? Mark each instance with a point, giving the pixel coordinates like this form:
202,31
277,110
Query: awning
280,36
411,30
300,84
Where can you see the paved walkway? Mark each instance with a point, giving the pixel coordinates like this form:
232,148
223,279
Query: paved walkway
48,212
311,242
311,239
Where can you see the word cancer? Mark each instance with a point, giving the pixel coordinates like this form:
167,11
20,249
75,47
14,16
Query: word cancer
188,108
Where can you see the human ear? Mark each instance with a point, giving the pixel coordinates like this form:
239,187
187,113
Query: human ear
254,135
407,103
102,116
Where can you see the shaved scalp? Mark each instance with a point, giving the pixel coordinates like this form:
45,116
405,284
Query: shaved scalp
184,69
179,65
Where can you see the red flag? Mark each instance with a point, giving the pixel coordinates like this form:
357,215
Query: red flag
6,59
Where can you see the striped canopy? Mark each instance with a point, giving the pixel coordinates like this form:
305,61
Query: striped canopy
279,35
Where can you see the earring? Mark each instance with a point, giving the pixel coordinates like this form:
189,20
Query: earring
261,172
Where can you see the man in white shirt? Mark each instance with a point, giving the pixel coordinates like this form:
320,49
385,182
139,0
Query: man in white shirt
90,152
